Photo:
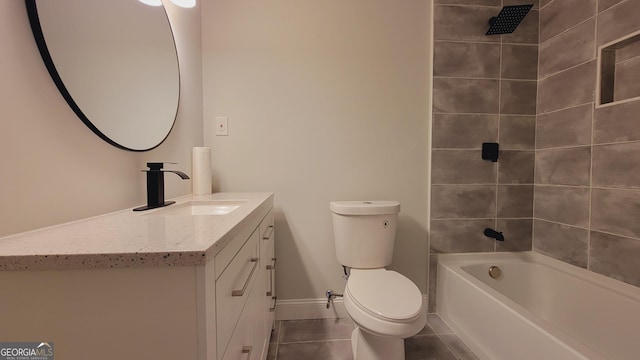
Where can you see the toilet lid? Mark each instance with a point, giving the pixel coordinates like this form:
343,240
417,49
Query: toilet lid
385,293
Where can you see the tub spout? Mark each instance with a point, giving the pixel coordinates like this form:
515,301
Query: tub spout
493,234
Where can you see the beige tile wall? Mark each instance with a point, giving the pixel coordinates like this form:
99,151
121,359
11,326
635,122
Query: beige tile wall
587,177
484,91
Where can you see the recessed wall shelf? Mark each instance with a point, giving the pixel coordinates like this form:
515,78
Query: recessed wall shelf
619,71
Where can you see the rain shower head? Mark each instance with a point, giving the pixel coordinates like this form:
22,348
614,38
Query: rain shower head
508,19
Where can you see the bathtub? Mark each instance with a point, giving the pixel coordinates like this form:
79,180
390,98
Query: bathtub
539,308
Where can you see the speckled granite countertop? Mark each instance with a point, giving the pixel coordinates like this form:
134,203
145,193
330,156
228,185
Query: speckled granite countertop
132,239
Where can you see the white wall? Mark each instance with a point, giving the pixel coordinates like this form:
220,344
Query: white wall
326,100
53,168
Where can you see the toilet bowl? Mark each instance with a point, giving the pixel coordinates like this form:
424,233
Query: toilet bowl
386,308
385,305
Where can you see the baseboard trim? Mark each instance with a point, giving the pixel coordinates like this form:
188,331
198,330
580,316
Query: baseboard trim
300,309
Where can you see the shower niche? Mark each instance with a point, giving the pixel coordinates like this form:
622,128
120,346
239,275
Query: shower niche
619,70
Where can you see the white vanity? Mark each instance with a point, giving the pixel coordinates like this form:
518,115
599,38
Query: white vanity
194,280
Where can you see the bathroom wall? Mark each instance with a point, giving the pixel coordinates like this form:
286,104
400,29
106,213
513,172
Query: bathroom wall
484,91
54,169
326,100
587,188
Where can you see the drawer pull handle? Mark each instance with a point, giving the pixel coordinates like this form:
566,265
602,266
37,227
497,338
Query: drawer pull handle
273,308
247,350
267,234
240,292
271,269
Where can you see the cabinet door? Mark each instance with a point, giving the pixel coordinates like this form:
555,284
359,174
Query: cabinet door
249,341
255,305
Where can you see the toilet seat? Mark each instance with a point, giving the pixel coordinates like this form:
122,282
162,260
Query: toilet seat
385,294
384,303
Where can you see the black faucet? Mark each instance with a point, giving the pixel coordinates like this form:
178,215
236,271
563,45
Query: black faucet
493,234
155,186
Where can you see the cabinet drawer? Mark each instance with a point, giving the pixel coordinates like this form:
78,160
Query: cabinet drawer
233,288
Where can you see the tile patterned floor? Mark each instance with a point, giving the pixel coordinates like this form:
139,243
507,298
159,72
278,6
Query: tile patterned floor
329,339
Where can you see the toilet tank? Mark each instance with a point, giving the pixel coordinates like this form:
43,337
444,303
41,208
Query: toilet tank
364,232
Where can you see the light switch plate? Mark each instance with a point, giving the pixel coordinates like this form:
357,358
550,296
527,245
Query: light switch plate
222,126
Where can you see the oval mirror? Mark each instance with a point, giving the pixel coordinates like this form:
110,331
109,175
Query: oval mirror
115,63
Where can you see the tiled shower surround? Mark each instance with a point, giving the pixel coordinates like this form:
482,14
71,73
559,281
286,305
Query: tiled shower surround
587,182
484,91
567,182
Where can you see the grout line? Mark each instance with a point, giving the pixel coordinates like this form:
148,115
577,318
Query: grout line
637,189
278,339
275,357
589,229
471,219
481,78
474,6
618,235
561,223
615,143
535,133
470,185
567,108
481,114
593,121
497,170
466,41
279,331
609,8
567,69
314,341
542,7
564,147
554,37
455,355
476,149
615,188
485,185
562,185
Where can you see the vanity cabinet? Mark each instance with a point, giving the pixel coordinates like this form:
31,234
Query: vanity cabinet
245,298
211,304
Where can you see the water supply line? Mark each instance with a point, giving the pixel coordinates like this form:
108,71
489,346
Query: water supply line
330,296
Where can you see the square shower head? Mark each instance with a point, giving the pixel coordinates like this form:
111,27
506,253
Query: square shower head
508,19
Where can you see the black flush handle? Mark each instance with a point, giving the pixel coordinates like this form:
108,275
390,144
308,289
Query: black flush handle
490,151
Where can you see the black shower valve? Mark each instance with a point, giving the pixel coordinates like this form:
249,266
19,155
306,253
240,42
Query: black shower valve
490,151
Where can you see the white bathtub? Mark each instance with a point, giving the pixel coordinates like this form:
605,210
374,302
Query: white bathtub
539,309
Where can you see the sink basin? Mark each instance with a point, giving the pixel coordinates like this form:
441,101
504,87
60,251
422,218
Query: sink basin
205,207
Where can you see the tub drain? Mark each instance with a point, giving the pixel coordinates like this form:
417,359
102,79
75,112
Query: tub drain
495,272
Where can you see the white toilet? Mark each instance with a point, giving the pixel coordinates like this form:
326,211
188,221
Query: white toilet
385,306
